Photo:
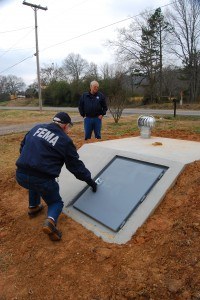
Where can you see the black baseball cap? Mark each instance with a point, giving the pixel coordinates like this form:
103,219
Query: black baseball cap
63,118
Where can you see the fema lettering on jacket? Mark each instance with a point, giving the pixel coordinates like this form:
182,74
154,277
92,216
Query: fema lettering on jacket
47,135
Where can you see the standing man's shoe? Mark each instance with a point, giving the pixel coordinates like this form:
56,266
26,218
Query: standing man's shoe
34,211
49,228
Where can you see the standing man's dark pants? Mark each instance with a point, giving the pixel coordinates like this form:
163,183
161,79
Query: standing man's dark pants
91,124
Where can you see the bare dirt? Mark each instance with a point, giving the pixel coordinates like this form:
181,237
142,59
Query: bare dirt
161,261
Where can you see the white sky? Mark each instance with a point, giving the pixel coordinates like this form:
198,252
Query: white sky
59,31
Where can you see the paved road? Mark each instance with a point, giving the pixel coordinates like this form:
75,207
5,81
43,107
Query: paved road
127,111
180,112
25,127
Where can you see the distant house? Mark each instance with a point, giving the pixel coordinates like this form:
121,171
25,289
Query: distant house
15,96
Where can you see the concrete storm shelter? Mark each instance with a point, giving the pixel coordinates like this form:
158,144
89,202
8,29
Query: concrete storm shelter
133,176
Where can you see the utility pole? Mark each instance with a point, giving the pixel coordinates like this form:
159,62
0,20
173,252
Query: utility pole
35,8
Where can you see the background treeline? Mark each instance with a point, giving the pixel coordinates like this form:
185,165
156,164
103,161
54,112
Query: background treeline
157,58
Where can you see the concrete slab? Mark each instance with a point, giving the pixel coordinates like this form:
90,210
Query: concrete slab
172,153
173,149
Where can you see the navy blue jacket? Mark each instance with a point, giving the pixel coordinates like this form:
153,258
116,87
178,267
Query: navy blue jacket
45,149
92,105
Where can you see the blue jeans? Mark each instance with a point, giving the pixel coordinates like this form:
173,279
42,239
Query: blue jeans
48,189
91,124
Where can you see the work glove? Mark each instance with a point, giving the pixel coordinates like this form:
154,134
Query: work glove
93,185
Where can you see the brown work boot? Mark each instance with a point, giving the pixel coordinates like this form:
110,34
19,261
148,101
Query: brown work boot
34,211
49,227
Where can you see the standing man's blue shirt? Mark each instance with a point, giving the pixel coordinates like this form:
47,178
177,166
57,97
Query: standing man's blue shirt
92,105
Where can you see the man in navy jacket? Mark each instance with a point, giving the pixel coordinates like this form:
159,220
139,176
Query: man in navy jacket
92,107
43,152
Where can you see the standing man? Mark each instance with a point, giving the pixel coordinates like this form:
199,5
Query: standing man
92,108
43,152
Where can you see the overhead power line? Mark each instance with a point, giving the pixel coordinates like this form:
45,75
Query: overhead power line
1,32
100,28
81,35
16,64
15,43
12,30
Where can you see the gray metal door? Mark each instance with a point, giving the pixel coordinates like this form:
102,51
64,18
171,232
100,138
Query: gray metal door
122,185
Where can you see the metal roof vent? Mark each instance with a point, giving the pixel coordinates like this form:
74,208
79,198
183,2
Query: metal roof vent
145,124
